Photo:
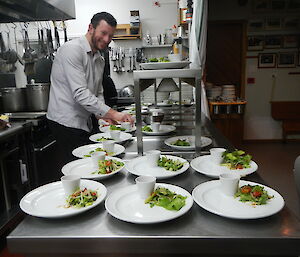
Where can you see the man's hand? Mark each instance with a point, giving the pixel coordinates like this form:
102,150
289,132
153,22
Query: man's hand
118,116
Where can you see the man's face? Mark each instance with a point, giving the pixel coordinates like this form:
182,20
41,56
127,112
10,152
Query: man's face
101,35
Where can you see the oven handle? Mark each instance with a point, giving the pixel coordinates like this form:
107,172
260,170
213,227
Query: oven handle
41,149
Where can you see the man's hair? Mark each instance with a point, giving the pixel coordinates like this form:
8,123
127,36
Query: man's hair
103,16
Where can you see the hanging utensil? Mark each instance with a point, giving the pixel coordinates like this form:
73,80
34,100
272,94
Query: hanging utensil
56,35
65,31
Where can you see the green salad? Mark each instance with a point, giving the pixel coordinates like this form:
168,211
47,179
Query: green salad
101,139
237,159
167,199
181,142
114,127
81,198
169,164
99,149
108,166
254,194
161,59
147,129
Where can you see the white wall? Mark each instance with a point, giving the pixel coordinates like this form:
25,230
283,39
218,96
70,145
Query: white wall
154,19
258,123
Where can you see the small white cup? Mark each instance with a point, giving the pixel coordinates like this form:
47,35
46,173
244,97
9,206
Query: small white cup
108,146
229,183
126,125
152,157
70,183
216,155
145,186
98,156
115,134
155,126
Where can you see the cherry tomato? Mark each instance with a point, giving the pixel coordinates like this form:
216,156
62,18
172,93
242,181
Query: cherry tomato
256,194
246,189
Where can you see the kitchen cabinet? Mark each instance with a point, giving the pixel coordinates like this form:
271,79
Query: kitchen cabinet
123,32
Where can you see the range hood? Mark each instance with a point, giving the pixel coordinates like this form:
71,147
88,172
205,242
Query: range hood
36,10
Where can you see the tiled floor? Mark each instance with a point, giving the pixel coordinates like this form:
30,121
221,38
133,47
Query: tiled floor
275,161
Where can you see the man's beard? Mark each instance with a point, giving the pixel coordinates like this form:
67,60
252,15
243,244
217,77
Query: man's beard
94,42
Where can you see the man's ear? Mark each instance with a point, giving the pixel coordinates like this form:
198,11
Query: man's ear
91,28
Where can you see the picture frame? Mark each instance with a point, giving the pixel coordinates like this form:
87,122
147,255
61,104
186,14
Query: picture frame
256,25
260,6
286,60
273,42
290,41
291,23
273,23
278,5
293,5
255,43
266,60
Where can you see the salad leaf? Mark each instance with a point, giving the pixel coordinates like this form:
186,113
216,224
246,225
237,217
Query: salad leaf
99,149
167,199
114,127
101,139
147,129
237,159
108,166
255,194
169,164
81,198
181,142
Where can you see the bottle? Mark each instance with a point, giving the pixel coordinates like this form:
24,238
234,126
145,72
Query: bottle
175,48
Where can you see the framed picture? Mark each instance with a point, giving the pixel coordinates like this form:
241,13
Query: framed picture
256,25
277,5
260,6
273,42
286,60
290,41
255,43
273,23
293,5
291,23
267,60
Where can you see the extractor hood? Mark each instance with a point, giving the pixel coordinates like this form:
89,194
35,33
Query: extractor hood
36,10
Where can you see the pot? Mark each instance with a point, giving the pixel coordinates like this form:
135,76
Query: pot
13,99
38,96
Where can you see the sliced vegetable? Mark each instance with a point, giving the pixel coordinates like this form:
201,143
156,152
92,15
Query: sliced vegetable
255,194
81,198
167,199
147,129
237,159
114,127
181,142
108,166
169,164
101,139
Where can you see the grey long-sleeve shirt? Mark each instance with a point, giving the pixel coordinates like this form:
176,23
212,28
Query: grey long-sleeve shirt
76,85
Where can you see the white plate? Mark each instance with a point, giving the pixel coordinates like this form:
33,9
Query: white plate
209,197
123,137
164,129
164,65
81,151
139,166
125,204
204,165
84,168
205,141
107,128
48,201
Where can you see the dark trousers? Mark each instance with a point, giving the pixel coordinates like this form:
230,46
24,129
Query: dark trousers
67,140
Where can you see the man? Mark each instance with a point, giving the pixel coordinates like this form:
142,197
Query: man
76,86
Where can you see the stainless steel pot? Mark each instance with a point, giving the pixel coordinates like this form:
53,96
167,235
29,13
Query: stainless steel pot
38,96
13,99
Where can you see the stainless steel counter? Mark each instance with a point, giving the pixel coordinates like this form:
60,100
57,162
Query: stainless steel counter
197,232
15,128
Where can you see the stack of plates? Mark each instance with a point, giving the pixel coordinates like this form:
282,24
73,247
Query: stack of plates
213,92
228,93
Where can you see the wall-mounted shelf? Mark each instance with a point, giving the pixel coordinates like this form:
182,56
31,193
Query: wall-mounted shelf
123,32
157,46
